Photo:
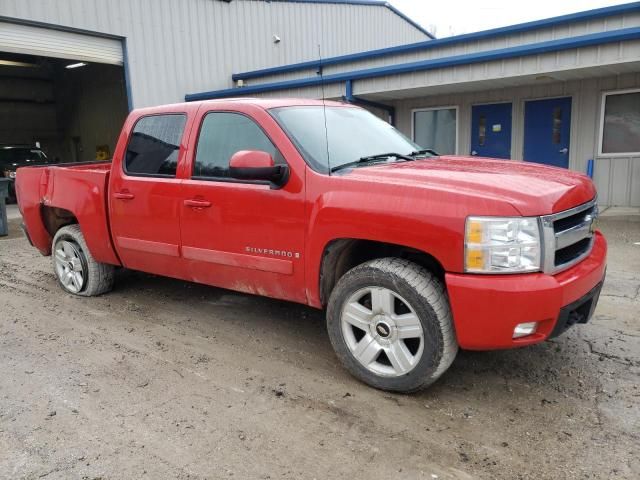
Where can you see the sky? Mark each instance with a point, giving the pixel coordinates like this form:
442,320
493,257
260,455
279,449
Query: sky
455,17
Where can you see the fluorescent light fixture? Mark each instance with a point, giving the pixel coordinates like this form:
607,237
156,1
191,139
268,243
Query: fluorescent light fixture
76,65
12,63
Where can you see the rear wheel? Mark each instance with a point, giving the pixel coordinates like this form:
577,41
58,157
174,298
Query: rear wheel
390,323
76,270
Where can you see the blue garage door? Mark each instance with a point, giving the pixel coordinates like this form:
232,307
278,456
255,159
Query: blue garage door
547,130
491,130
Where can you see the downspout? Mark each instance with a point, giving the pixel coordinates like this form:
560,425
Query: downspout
351,98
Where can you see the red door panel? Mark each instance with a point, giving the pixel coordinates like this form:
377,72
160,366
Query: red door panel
251,239
146,228
145,195
243,236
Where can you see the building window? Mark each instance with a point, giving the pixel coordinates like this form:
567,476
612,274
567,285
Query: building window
620,129
482,130
154,145
436,128
223,134
556,134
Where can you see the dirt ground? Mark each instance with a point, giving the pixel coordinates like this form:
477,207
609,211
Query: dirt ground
166,379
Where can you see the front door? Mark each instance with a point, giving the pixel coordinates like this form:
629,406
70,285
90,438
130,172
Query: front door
491,130
547,131
241,235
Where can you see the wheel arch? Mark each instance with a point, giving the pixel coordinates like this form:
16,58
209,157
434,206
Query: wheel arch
93,227
341,255
54,218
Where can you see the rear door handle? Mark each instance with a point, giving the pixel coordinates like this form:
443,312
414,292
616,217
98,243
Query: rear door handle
124,195
197,203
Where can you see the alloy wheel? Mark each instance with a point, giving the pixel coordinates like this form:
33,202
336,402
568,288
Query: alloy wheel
382,331
70,267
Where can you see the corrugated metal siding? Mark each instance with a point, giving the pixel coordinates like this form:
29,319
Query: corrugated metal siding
503,70
618,181
517,66
40,41
181,46
617,178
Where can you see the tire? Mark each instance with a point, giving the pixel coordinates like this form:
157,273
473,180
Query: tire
397,307
72,261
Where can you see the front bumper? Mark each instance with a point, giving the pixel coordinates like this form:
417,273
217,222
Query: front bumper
487,308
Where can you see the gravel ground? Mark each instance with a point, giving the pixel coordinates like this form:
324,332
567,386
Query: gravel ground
167,379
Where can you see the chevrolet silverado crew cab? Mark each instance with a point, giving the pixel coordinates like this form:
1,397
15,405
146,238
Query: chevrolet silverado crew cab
412,254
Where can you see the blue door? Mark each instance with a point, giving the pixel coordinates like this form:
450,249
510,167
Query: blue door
491,130
547,129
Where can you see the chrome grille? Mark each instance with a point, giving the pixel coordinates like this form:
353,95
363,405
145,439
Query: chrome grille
568,236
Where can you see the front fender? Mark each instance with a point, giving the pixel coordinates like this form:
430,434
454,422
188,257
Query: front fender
343,215
429,220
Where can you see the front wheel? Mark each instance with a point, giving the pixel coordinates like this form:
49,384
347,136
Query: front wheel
74,266
390,324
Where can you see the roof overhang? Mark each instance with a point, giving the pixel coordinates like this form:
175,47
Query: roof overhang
571,74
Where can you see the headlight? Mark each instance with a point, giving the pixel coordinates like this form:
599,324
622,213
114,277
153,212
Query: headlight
9,174
502,245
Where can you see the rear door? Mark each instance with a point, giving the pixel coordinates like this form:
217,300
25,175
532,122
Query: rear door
145,195
242,235
547,131
491,130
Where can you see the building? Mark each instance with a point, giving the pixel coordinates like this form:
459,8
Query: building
70,70
563,91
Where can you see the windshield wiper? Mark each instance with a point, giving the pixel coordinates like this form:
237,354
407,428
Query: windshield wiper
385,155
371,158
424,152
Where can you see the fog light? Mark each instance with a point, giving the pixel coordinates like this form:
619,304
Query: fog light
524,329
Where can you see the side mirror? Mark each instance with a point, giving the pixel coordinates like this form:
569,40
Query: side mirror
257,165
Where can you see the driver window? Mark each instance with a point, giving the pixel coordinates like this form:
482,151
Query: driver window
222,134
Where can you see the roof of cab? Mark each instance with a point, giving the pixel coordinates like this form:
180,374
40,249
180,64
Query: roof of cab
264,103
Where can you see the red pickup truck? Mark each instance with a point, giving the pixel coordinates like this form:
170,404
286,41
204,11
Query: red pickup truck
412,254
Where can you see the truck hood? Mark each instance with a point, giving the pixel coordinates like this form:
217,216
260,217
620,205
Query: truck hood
532,189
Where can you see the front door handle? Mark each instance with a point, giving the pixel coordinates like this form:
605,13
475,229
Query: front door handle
197,203
124,195
564,150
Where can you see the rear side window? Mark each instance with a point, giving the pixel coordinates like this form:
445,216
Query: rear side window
223,134
154,145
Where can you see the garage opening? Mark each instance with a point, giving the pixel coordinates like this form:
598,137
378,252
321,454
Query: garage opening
63,96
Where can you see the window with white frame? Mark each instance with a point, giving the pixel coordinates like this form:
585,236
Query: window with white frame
620,129
436,128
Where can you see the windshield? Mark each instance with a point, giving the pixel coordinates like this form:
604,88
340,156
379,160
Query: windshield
352,133
17,157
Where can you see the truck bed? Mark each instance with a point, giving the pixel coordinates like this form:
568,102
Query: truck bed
45,192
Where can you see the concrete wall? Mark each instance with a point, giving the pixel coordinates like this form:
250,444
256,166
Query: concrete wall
27,108
185,46
91,107
617,178
51,105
